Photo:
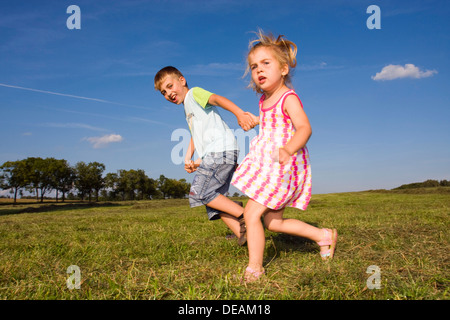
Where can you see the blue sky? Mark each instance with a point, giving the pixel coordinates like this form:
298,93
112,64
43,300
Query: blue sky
377,99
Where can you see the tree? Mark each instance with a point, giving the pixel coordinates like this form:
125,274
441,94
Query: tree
96,170
13,176
444,183
164,186
33,174
172,188
46,169
89,178
111,183
123,184
179,188
63,177
151,189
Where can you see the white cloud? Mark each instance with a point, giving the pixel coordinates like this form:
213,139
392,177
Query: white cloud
100,142
392,72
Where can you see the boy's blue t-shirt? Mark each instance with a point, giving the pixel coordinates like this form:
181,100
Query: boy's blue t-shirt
209,132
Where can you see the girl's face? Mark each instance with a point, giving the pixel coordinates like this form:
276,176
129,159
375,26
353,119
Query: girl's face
267,73
174,89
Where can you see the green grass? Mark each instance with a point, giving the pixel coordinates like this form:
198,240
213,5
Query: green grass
165,250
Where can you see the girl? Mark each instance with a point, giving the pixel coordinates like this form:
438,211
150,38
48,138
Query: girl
276,172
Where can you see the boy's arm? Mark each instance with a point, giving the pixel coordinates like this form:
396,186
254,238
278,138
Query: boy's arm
190,151
245,119
188,163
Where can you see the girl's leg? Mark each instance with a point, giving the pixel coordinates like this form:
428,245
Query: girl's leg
274,222
255,234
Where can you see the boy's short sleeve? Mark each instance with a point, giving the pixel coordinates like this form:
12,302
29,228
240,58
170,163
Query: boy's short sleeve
201,96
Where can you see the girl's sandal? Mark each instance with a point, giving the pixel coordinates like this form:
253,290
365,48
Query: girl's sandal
329,239
252,275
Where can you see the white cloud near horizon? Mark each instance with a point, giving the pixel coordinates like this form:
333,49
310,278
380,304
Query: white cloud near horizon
391,72
103,141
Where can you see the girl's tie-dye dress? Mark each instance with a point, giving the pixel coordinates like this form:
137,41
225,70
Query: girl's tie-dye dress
261,177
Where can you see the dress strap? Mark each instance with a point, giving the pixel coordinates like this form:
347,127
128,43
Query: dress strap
284,96
261,100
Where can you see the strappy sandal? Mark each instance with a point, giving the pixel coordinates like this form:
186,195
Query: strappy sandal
252,275
329,239
242,232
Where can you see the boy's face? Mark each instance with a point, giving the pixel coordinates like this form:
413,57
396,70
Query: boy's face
174,89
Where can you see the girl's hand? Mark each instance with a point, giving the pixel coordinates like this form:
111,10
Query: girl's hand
284,156
254,119
247,121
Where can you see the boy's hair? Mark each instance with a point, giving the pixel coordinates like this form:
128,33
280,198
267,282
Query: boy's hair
285,52
166,71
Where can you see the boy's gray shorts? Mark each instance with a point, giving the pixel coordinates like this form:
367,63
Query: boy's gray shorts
212,178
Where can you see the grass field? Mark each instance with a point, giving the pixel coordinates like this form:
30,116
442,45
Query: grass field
162,249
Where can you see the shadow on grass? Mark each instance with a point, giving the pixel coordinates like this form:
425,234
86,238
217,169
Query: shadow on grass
36,208
286,243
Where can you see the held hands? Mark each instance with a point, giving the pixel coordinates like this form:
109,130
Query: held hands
247,121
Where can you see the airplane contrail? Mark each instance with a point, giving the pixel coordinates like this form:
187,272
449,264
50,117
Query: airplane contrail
72,96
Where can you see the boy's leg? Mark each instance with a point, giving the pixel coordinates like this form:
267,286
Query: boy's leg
216,171
231,223
224,204
232,213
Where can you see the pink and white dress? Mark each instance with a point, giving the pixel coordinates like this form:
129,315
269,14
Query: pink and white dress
261,177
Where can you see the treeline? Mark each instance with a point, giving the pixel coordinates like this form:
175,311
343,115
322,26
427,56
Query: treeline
426,184
85,181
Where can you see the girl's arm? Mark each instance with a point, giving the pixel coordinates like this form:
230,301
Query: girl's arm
245,119
293,108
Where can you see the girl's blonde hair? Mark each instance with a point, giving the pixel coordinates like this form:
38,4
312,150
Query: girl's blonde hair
285,52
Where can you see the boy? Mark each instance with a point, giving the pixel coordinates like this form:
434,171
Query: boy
215,144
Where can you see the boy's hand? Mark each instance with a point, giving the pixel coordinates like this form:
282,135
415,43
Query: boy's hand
255,119
248,121
188,166
191,166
